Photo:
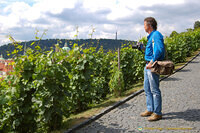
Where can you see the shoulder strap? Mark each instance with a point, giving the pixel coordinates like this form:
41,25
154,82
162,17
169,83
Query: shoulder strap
166,54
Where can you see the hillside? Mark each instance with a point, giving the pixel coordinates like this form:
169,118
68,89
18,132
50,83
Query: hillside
108,44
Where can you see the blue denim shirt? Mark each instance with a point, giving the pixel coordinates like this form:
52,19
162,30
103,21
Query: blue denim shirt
156,52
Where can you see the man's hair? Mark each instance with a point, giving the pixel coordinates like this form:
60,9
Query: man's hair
152,22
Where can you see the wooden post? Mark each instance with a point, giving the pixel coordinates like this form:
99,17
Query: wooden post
119,83
119,58
57,50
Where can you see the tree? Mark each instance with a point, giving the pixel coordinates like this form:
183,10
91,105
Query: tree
189,29
173,33
196,24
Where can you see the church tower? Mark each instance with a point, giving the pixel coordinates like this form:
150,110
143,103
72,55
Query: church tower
116,36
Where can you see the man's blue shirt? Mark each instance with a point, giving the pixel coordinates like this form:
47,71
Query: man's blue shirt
156,51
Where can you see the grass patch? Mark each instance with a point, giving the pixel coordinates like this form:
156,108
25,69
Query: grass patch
97,108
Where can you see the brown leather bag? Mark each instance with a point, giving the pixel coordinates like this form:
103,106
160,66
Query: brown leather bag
163,67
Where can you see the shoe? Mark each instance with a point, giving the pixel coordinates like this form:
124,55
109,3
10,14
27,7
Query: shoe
154,117
146,113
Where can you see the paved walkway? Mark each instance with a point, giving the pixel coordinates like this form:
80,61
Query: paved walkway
181,108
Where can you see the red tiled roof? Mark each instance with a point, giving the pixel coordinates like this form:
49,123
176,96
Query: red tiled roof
6,66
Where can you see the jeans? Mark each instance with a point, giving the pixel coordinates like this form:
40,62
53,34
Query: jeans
152,92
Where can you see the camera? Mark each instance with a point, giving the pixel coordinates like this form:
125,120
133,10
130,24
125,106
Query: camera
138,46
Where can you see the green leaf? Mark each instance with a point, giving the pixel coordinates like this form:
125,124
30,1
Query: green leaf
32,43
3,100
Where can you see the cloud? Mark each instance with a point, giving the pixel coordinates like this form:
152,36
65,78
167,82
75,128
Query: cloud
177,17
20,18
174,12
80,15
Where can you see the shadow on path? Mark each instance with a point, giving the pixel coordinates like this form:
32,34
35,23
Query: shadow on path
185,70
172,79
125,105
188,115
100,128
194,62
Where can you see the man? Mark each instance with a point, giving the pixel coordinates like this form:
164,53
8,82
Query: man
154,51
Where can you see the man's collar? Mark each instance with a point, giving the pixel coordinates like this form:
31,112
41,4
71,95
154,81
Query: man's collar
150,34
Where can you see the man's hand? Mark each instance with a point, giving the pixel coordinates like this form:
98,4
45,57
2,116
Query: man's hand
140,46
149,65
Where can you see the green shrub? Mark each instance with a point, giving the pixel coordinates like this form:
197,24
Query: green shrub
47,86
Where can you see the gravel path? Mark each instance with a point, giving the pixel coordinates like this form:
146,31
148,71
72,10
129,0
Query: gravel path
181,108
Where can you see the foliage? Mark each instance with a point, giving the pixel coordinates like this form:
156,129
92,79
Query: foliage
196,24
46,86
36,92
174,33
182,45
132,64
116,83
143,40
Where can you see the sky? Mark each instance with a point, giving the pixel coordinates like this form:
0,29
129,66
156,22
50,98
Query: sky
61,19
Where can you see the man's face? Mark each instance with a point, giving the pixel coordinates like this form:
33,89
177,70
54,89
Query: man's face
146,26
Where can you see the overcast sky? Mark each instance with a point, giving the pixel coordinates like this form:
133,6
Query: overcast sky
21,18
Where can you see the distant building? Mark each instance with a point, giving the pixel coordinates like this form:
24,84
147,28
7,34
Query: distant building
5,66
66,48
